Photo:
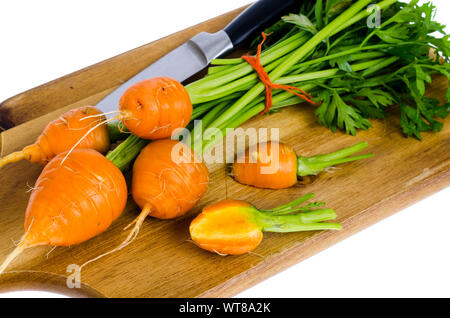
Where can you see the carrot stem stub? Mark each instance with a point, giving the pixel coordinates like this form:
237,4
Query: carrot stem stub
307,166
233,227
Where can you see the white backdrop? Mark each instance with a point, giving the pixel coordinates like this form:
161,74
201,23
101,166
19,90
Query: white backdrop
406,255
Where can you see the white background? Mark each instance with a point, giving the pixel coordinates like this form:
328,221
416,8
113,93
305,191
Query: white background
406,255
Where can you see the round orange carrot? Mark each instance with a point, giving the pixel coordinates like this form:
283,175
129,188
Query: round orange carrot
154,108
75,198
168,181
274,165
63,133
232,227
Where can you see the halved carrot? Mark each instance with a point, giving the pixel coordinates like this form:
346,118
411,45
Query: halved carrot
236,227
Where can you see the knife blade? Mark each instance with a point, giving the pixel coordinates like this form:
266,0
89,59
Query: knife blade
196,54
179,64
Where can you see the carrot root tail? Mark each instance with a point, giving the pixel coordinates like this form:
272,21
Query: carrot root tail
14,157
16,252
131,236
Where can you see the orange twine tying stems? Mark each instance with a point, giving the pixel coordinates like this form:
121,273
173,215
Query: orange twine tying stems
255,62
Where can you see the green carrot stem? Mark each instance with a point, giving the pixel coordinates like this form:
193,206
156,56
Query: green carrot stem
319,37
307,208
293,100
287,228
368,55
371,34
313,165
219,100
208,118
217,69
126,151
241,118
308,76
307,168
351,52
117,131
203,108
363,14
327,73
342,153
318,14
223,89
268,220
292,204
380,66
226,61
222,71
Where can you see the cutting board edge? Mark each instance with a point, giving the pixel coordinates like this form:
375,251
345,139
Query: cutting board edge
325,239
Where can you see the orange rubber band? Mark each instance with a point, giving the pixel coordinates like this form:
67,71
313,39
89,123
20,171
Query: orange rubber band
255,62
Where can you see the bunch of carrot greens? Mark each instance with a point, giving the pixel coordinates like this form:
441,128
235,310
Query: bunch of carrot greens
354,72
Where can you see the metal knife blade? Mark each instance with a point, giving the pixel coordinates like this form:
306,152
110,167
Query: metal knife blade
180,64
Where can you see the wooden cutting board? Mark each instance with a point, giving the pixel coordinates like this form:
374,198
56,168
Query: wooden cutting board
162,262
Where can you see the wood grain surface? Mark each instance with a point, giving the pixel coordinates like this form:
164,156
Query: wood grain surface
162,262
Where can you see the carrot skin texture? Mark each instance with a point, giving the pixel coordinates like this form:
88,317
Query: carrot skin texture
76,200
154,108
169,177
77,196
63,133
277,159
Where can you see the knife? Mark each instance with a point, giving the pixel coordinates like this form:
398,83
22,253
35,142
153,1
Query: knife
194,55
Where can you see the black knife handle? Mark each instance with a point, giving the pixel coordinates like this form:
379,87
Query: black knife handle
256,17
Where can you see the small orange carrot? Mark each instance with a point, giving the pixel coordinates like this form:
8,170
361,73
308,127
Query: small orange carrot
72,201
168,181
232,227
63,133
154,108
275,165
